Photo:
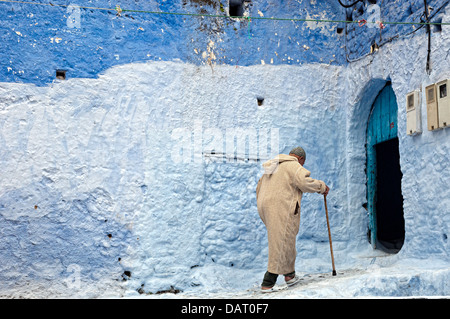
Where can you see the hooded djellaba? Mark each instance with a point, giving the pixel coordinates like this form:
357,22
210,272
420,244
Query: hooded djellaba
279,194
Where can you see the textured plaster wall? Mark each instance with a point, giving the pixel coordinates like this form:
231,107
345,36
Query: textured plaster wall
41,39
105,188
423,158
105,153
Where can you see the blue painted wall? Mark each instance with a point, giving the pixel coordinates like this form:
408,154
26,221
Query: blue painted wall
361,38
86,153
37,39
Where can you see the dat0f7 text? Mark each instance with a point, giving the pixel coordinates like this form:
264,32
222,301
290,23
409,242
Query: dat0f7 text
246,308
241,308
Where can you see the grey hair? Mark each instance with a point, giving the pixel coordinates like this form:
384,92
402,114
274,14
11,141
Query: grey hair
300,152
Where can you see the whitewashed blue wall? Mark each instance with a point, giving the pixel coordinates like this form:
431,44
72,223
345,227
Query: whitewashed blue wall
82,159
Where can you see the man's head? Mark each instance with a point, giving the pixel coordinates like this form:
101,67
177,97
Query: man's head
299,153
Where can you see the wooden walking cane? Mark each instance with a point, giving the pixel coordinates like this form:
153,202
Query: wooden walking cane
329,234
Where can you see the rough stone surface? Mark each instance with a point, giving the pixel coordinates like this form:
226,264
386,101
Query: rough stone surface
129,180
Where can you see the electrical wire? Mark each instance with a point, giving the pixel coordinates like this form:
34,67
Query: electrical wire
428,65
421,25
119,10
349,5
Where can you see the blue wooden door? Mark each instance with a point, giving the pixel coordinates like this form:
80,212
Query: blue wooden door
382,126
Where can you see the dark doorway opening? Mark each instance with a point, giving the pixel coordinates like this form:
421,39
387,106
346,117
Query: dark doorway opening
389,202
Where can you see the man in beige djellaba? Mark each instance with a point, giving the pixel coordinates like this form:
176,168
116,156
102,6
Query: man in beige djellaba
278,195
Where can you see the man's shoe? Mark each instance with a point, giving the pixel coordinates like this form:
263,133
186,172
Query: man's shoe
267,290
293,281
273,288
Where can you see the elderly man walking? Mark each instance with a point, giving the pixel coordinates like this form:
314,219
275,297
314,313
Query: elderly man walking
279,193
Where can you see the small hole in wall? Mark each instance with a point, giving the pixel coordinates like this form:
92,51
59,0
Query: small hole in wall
437,27
61,74
260,100
409,11
339,30
360,9
349,16
126,275
236,8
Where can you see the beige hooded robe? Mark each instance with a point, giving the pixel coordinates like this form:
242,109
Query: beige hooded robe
278,194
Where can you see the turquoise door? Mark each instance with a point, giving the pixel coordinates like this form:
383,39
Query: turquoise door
381,127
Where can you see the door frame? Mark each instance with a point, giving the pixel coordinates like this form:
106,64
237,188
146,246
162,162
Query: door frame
381,127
